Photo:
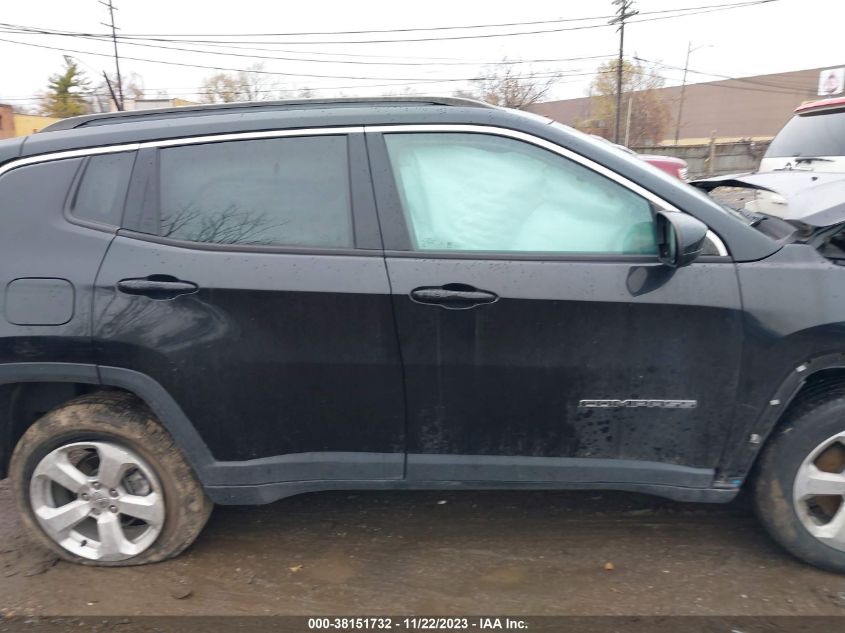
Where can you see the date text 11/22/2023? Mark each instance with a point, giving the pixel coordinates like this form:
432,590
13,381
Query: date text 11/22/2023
416,623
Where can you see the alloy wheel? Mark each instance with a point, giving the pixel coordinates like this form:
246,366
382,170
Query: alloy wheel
98,500
819,492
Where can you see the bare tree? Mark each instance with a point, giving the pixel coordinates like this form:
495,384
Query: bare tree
228,226
252,84
133,88
505,85
649,114
256,85
219,88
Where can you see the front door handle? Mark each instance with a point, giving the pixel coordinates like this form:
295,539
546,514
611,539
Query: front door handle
453,296
158,287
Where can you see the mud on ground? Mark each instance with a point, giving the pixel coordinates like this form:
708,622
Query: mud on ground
528,553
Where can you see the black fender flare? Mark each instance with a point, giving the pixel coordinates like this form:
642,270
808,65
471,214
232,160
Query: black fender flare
746,441
146,388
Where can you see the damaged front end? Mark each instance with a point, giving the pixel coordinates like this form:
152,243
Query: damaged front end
788,206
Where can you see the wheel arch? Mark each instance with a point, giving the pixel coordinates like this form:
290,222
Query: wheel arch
807,380
74,379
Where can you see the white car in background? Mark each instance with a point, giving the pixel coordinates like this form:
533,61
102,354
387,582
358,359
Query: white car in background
813,140
806,156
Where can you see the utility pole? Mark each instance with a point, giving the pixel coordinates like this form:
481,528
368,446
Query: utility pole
690,49
111,89
683,92
110,7
623,12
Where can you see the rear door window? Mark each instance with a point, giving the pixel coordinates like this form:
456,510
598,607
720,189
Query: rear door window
280,192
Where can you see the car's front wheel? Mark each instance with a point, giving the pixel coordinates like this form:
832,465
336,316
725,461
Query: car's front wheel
799,487
100,482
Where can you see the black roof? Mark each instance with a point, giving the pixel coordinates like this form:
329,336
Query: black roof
110,118
119,128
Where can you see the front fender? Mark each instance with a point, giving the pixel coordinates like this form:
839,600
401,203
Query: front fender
749,438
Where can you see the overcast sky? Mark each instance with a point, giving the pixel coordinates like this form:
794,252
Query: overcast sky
780,36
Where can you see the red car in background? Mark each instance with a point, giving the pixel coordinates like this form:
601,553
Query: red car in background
675,167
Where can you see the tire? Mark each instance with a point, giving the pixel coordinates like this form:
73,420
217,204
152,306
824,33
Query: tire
115,437
803,523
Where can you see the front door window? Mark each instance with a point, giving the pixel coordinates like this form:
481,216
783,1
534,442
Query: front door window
475,192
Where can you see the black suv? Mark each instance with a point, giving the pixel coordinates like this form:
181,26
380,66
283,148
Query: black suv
236,304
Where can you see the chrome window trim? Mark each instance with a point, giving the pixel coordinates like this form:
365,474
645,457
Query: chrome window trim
552,147
251,136
74,153
185,140
358,129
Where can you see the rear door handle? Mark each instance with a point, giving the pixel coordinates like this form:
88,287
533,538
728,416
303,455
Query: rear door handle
158,287
453,296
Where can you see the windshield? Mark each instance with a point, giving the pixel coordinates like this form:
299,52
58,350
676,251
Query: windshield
811,135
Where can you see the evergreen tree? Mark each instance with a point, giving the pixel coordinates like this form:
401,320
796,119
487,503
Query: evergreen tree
66,92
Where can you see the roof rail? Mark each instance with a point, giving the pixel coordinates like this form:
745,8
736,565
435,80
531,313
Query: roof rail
109,118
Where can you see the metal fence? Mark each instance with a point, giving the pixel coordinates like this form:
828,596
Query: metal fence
713,159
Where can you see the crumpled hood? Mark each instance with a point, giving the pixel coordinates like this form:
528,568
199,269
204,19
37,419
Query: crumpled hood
812,198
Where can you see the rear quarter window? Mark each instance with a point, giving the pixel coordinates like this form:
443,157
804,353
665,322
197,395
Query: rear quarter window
101,192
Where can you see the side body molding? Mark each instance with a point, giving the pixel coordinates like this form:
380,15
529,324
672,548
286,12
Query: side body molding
264,480
48,372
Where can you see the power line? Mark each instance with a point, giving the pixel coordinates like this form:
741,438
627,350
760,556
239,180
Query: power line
371,63
677,13
414,80
191,91
367,31
393,84
209,67
330,61
25,30
450,27
776,88
175,92
466,37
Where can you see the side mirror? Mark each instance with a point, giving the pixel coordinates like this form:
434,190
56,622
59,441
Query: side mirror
680,238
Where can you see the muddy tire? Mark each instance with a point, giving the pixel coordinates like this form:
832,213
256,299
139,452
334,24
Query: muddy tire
149,505
799,483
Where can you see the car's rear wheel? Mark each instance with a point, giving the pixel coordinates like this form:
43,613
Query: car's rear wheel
799,486
100,482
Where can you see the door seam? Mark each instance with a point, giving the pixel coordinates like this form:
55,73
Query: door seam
397,338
